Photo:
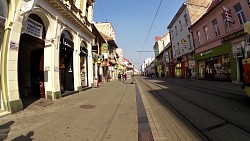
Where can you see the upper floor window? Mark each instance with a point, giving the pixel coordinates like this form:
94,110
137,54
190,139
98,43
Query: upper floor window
176,31
180,25
199,37
189,41
226,24
206,32
172,34
186,19
216,28
248,1
240,14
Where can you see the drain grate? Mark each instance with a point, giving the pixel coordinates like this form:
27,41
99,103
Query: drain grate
87,106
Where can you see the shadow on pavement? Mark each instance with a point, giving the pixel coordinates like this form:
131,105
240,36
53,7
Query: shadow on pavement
27,137
5,129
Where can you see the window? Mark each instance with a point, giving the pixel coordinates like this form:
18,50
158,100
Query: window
206,32
199,37
180,25
248,2
189,41
186,18
176,30
216,28
240,14
172,34
226,24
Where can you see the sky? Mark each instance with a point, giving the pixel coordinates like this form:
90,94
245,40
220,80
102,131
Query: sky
132,19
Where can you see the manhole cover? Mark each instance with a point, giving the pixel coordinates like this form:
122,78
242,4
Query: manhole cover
236,109
87,106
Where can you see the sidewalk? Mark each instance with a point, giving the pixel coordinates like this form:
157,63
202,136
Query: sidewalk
105,113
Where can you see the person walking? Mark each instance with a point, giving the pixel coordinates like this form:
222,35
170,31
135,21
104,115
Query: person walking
123,76
119,76
189,74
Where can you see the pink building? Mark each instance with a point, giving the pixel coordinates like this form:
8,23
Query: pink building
219,39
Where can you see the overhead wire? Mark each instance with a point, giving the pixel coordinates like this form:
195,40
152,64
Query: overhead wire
150,28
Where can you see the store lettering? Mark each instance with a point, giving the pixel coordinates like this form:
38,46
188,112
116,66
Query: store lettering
206,53
34,28
232,36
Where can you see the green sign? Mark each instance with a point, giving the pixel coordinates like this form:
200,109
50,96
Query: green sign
105,48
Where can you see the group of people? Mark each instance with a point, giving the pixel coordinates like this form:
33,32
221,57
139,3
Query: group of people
122,76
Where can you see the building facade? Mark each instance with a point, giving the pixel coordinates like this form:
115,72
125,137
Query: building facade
181,38
219,40
42,50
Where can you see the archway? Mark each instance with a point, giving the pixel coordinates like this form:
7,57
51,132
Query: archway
3,15
66,63
84,64
31,60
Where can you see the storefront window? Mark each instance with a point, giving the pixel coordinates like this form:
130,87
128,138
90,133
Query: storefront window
215,68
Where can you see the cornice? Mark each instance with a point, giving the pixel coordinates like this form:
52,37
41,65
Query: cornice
60,7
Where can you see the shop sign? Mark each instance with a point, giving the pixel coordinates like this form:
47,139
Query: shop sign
167,57
206,53
34,28
13,46
217,65
232,36
234,49
69,43
104,48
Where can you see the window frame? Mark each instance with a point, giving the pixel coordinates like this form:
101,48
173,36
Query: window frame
216,28
240,13
205,28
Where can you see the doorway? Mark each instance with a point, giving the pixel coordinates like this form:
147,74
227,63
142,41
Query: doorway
66,63
31,62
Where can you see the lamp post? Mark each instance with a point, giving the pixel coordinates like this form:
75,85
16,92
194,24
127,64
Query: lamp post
133,74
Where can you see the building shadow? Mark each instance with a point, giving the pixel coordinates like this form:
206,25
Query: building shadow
27,137
5,129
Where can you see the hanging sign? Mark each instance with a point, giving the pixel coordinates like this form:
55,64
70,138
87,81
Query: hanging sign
34,28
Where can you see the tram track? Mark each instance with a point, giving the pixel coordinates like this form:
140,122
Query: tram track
204,132
216,92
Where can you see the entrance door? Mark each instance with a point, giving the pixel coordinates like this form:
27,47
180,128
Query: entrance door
30,67
66,62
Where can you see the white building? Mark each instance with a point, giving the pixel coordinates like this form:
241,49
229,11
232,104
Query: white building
181,38
47,51
144,65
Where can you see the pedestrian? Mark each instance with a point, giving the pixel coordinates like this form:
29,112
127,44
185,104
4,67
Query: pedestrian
119,76
123,76
189,74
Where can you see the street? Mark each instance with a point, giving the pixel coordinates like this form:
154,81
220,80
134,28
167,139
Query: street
151,109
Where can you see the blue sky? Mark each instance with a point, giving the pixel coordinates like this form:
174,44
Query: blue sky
132,19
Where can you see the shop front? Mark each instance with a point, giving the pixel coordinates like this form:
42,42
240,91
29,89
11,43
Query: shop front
216,64
66,63
177,67
83,64
31,59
